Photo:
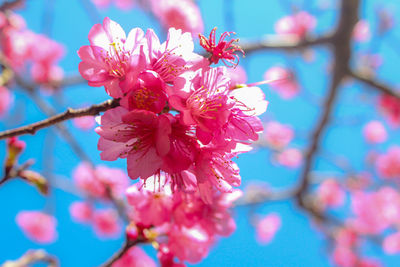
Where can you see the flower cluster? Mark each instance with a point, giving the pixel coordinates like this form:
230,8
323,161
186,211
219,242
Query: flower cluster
178,115
101,183
182,224
179,124
23,48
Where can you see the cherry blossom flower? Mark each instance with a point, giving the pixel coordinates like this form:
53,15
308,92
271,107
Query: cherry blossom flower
6,100
278,135
139,135
267,227
135,257
189,244
237,75
290,157
388,165
223,50
110,55
390,108
122,4
106,224
179,14
375,132
362,32
38,226
81,212
330,193
298,25
84,123
391,243
282,81
100,181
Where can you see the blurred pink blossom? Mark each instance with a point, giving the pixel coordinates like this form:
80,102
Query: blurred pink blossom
238,75
106,224
38,226
391,243
388,165
330,193
81,212
362,32
299,24
375,132
179,14
267,227
278,135
291,157
6,99
84,123
282,81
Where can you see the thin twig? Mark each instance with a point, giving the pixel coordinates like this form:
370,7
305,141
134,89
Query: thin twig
66,115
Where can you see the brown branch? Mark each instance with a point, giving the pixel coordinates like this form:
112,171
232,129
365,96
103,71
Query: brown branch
280,42
32,257
341,46
11,5
379,86
66,115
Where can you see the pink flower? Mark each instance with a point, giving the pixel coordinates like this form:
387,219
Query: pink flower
84,123
375,132
173,57
189,244
38,226
282,81
369,213
346,237
267,227
45,53
278,135
100,181
388,165
6,99
151,207
140,136
110,55
368,263
81,212
218,112
106,224
146,93
390,107
290,157
214,169
237,75
122,4
330,194
344,256
222,50
391,243
362,32
179,14
135,257
299,24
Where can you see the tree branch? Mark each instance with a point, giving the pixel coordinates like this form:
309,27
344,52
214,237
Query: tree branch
66,115
383,88
280,42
